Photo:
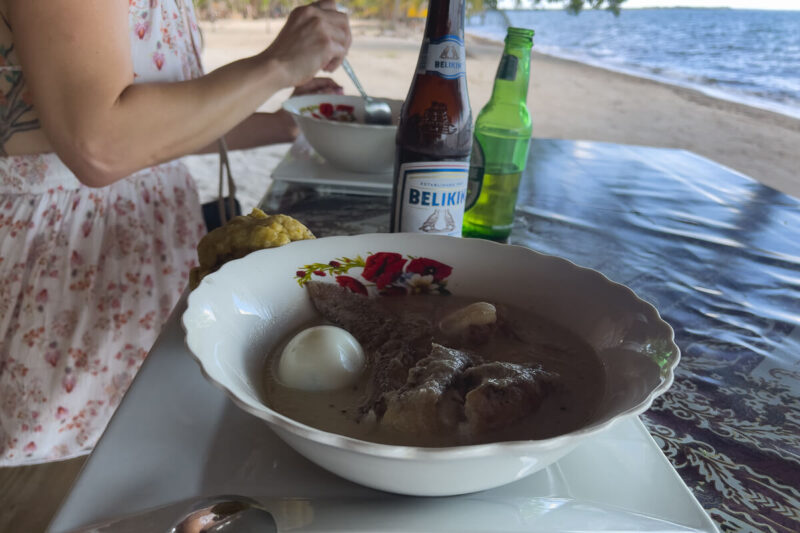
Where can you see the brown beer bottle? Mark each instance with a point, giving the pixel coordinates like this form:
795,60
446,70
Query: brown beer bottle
434,136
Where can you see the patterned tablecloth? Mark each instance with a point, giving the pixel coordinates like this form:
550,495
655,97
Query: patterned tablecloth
717,253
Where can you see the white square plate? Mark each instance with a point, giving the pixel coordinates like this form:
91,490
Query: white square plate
301,164
175,436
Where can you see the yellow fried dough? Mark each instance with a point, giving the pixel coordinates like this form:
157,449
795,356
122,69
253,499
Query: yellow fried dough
242,235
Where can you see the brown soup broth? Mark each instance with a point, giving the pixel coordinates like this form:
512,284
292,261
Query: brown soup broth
524,337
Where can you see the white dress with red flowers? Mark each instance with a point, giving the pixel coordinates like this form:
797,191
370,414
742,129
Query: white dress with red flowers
88,276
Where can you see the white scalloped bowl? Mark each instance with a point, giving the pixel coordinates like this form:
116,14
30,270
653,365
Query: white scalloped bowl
351,146
238,314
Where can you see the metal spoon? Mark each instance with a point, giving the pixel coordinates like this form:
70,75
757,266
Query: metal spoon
375,111
229,514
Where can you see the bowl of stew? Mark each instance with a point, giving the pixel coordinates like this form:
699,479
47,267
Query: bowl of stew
334,127
427,365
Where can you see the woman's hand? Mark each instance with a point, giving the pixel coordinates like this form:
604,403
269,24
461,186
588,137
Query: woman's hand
261,129
318,86
315,37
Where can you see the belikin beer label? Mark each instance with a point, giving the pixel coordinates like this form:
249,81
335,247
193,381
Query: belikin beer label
445,57
433,195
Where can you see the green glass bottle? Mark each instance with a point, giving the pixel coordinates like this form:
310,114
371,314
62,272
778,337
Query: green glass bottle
500,146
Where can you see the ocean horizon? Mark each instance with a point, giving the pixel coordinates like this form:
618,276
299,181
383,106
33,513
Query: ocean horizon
746,56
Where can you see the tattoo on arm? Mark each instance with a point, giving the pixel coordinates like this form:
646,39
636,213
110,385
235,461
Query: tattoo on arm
15,102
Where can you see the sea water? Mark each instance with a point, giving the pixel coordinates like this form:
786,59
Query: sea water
750,56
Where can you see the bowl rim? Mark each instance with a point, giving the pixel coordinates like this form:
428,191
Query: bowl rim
395,451
359,125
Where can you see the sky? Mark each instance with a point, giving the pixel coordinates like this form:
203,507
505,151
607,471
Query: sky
740,4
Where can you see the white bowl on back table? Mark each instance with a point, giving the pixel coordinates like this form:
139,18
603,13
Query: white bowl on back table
351,146
238,314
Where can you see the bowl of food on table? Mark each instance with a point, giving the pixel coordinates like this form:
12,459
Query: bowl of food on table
425,365
334,126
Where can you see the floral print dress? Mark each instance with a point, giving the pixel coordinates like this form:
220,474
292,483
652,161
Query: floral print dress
88,276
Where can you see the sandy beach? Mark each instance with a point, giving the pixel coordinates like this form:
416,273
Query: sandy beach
568,100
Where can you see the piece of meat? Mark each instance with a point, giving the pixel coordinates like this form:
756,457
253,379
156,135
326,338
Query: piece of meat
499,393
393,343
368,322
421,387
428,402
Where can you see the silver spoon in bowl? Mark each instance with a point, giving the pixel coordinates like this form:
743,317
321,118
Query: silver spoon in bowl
375,111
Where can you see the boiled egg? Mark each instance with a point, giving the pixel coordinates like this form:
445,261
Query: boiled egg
321,358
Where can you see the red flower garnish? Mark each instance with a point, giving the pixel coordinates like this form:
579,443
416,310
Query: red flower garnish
428,267
326,109
351,283
300,273
383,268
319,273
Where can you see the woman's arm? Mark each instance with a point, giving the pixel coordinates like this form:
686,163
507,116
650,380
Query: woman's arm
260,129
77,61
